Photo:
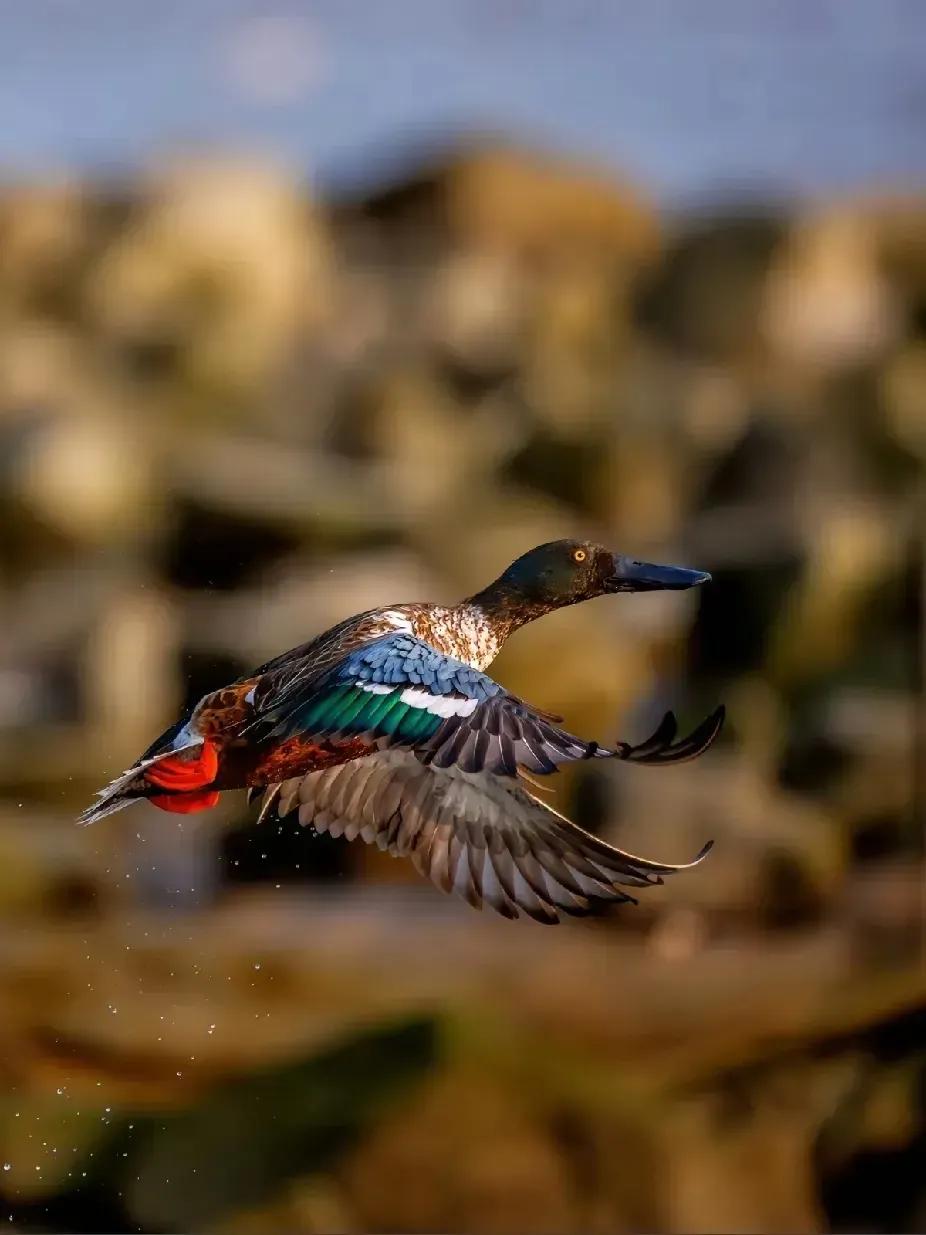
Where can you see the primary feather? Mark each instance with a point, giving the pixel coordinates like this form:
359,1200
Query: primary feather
481,836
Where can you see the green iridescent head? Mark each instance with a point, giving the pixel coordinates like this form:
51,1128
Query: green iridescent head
564,572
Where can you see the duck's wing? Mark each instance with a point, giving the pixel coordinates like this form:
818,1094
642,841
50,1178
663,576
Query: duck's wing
481,836
293,674
398,691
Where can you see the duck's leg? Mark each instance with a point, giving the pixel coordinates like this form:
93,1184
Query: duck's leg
186,803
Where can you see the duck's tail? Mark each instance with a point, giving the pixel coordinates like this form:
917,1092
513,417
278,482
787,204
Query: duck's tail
137,782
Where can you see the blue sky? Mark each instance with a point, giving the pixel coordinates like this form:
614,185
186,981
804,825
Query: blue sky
691,98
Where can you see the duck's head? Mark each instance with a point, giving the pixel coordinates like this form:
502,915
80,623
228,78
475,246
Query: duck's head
564,572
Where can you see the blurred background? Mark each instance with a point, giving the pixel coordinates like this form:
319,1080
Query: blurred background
311,307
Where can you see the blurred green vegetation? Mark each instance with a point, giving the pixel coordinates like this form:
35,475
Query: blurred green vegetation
241,1142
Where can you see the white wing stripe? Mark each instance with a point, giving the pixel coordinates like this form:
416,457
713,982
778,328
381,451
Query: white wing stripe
438,705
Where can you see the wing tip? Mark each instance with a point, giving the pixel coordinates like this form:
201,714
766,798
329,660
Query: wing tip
660,748
702,853
695,861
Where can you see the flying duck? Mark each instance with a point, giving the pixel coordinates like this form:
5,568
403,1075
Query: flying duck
387,727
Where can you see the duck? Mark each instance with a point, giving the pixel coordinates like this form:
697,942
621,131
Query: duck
388,728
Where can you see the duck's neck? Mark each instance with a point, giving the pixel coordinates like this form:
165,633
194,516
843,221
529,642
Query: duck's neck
506,609
475,629
502,610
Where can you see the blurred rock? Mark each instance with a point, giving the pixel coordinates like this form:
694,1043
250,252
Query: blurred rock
477,312
463,1155
853,552
707,295
220,268
88,478
43,240
302,597
776,858
828,303
231,415
538,207
47,874
903,383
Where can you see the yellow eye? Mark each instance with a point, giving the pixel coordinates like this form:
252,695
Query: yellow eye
580,555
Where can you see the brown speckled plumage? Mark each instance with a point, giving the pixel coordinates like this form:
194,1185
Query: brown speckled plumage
464,631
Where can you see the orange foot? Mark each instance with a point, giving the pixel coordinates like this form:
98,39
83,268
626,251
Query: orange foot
186,803
179,773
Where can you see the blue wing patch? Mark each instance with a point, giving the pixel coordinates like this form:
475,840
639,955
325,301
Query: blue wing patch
395,688
402,660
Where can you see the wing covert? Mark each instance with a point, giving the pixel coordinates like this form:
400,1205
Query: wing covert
401,692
